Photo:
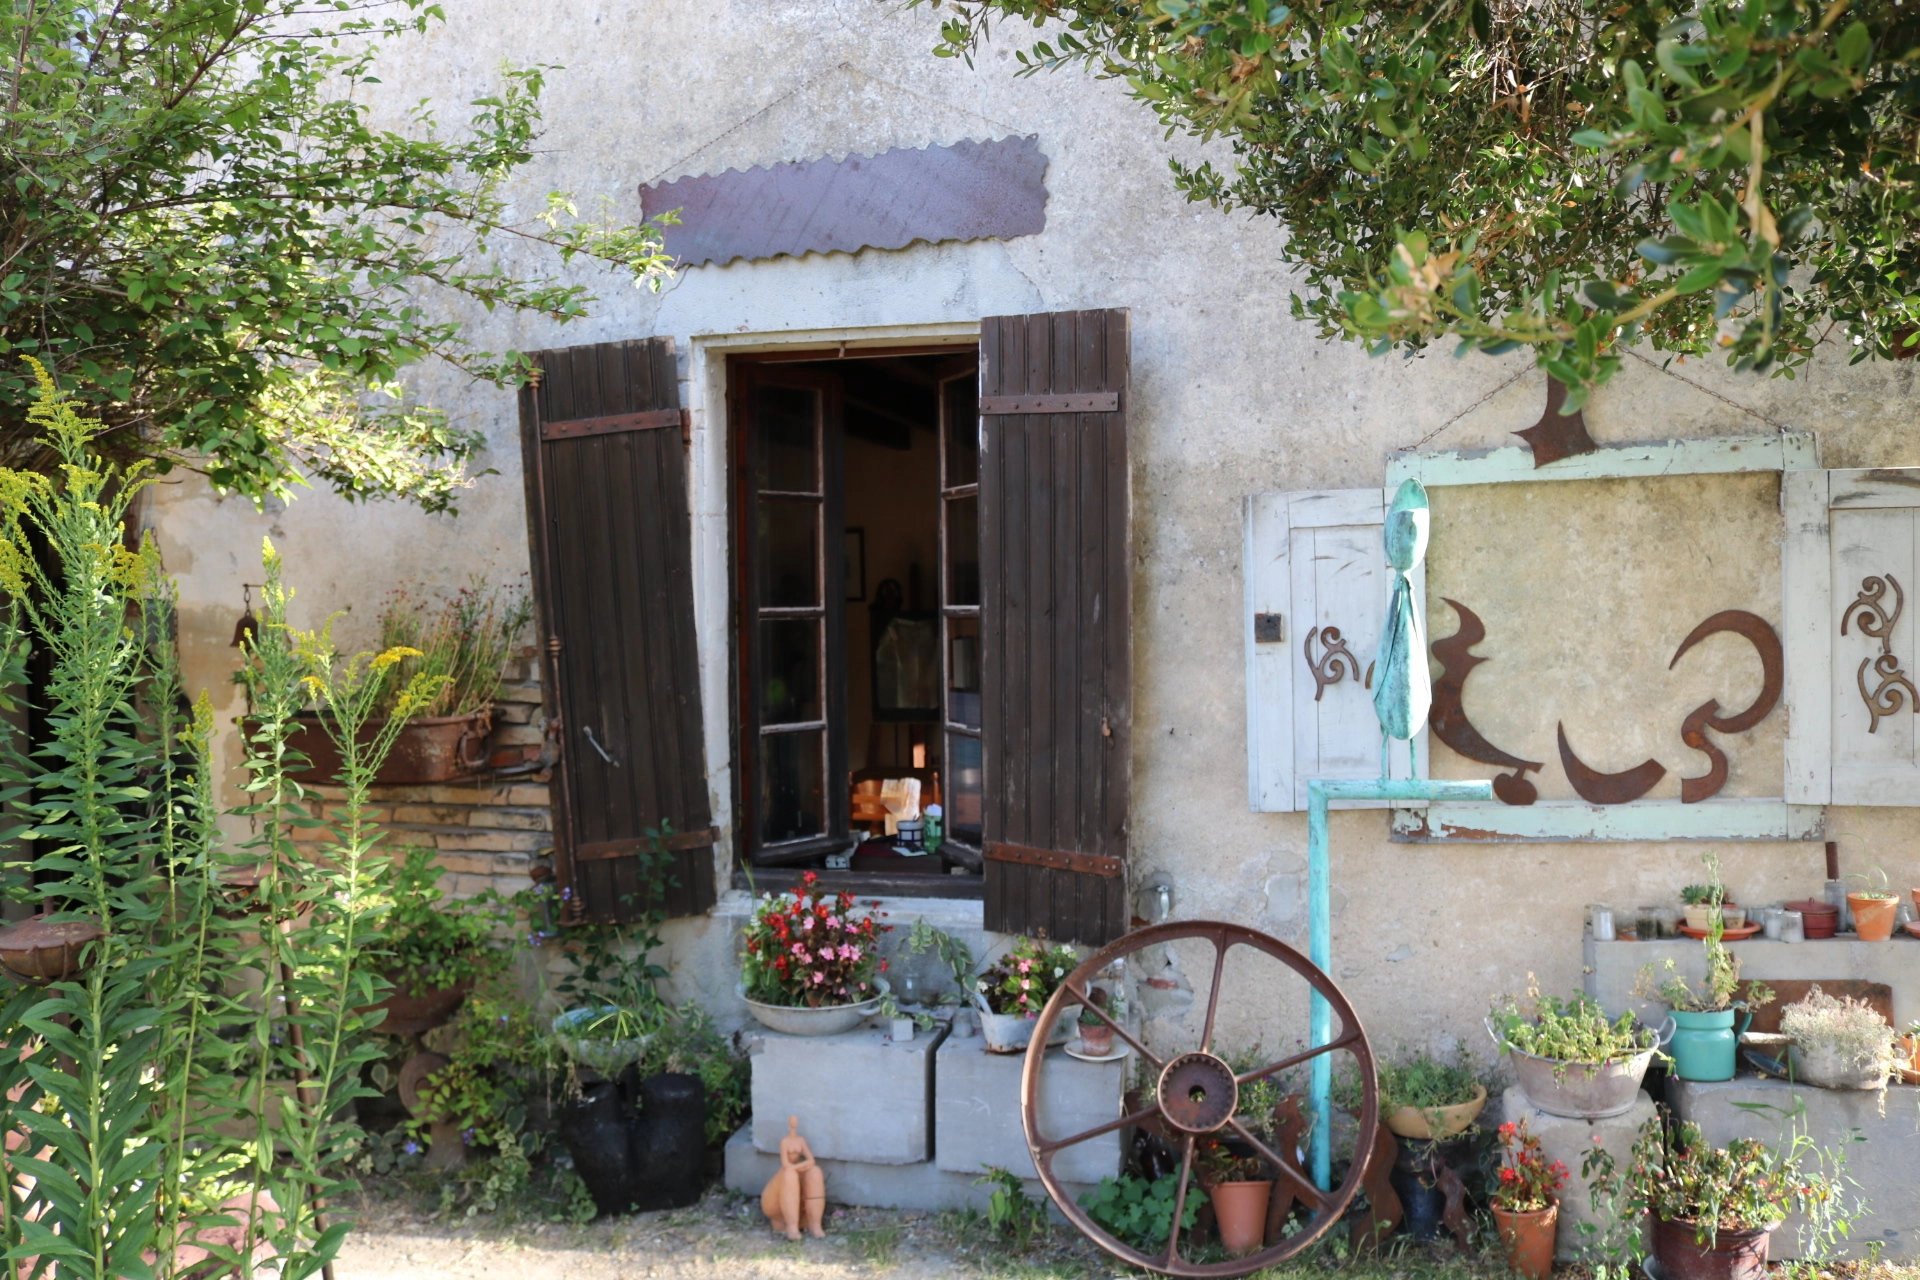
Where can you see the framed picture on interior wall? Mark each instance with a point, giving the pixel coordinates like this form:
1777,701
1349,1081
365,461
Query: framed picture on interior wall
856,554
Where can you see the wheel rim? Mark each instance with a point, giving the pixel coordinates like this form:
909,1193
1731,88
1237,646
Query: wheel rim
1195,1094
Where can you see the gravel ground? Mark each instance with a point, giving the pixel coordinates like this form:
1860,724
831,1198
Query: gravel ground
722,1238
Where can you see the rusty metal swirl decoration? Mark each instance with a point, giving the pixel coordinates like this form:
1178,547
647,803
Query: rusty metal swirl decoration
1335,663
1869,615
1892,693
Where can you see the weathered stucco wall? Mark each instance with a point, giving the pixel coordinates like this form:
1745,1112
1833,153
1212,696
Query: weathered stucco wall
1229,397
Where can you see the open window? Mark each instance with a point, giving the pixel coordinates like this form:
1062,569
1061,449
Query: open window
857,575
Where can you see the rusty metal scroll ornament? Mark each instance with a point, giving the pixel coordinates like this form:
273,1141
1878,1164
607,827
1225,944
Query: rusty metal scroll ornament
1448,719
1557,435
1871,617
1693,730
1608,788
1335,663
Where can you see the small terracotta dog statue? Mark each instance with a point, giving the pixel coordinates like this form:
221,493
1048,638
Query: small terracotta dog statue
798,1191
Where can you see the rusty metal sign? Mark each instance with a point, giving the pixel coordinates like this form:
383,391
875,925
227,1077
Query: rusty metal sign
992,190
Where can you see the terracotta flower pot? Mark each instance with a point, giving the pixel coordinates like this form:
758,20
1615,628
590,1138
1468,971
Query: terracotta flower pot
1729,1255
42,950
1700,915
1820,919
1434,1124
1872,917
1528,1237
411,1015
1096,1038
1240,1212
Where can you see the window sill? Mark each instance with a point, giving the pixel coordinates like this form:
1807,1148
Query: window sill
955,915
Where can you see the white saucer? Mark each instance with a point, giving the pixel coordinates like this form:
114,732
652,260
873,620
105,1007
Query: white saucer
1118,1052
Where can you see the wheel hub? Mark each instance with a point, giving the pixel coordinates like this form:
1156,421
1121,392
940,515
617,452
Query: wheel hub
1198,1093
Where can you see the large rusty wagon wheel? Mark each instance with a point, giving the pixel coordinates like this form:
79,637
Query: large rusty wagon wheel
1195,1094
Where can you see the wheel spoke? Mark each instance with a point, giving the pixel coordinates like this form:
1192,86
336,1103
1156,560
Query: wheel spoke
1305,1055
1284,1168
1179,1205
1220,946
1054,1144
1080,994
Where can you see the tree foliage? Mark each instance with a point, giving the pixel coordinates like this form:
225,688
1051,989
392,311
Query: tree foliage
1571,176
202,225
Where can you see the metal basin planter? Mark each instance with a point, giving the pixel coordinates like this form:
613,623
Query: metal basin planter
608,1057
42,950
828,1020
1729,1255
430,749
1582,1090
1010,1032
1826,1068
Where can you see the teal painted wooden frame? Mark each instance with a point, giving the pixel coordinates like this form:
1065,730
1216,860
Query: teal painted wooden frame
1564,820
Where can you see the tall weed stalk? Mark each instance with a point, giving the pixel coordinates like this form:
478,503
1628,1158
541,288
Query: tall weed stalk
182,1102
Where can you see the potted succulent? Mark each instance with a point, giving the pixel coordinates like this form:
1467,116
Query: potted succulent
1425,1099
1838,1043
1874,906
1569,1058
1013,989
1096,1034
1705,1040
1238,1181
436,949
1526,1201
460,646
1714,1209
1702,904
810,961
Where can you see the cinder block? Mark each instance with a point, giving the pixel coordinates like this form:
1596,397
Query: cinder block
1568,1141
859,1096
1879,1132
976,1111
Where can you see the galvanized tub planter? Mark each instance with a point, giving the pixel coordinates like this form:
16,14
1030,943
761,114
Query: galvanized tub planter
1826,1067
1011,1032
430,749
827,1020
1582,1090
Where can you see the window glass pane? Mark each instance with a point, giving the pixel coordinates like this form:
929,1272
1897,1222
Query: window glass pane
789,552
792,777
789,670
961,404
963,551
788,430
963,788
963,671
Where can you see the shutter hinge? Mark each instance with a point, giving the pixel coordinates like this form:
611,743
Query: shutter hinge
553,646
686,428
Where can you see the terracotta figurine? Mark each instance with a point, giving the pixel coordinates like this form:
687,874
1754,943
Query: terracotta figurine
798,1190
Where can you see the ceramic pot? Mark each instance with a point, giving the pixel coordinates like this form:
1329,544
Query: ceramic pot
1818,919
1240,1213
1580,1090
1729,1255
1527,1236
1435,1123
1872,917
1700,915
1009,1032
1704,1045
828,1020
1823,1066
608,1057
412,1015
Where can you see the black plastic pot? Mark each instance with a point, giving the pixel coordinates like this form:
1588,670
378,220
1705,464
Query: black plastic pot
1423,1201
638,1144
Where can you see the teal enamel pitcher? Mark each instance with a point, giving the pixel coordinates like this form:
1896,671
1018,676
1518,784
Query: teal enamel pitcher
1704,1044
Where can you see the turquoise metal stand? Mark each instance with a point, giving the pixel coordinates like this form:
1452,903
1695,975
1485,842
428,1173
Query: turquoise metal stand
1320,920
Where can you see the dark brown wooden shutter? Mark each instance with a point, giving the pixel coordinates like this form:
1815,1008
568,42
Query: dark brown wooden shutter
605,447
1056,647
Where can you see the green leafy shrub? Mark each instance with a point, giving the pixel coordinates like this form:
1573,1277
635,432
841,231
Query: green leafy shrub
462,642
431,942
1013,1215
1426,1083
1138,1211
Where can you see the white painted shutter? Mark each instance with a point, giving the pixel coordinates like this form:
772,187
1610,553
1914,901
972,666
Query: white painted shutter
1315,559
1844,529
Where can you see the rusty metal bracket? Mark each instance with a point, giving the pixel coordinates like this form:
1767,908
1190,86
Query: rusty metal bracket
678,842
1091,864
613,423
1335,663
1074,402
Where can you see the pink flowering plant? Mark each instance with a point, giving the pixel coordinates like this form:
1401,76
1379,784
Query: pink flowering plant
1020,981
810,949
